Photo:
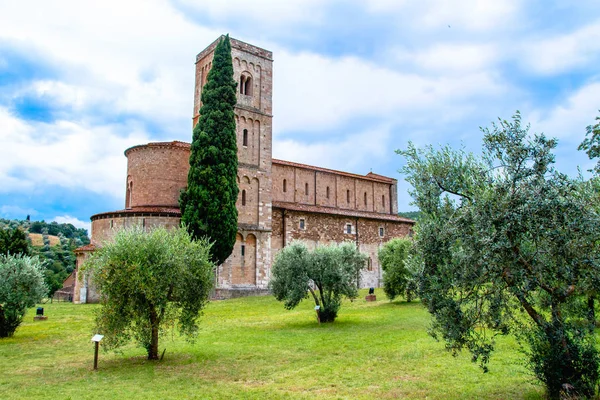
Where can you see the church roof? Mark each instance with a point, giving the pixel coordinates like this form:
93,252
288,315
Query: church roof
140,211
370,176
338,211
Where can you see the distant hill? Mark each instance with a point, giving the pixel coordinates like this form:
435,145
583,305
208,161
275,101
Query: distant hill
37,239
414,215
53,243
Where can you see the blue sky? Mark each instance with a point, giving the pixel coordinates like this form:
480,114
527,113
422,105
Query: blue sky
353,81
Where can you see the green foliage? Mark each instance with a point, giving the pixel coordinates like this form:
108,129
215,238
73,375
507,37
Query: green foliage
591,143
506,243
148,283
327,273
13,241
255,349
208,204
397,277
414,215
55,229
21,286
58,261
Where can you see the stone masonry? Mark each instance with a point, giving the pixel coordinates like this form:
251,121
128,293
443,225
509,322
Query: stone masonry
279,201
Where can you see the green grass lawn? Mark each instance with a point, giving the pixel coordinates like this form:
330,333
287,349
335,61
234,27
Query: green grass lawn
253,348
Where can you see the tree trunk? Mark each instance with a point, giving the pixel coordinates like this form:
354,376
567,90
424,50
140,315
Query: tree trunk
591,310
153,349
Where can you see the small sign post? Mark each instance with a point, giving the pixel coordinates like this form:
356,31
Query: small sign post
96,339
317,308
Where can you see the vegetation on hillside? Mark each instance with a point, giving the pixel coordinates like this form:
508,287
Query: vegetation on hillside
55,250
208,206
414,215
328,273
148,283
508,244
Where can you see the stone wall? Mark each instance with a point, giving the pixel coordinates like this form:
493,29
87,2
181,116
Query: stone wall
156,174
104,226
305,184
321,229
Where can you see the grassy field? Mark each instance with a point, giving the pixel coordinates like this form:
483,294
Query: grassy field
255,349
37,239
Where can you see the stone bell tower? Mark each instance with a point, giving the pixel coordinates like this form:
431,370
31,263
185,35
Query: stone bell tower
248,267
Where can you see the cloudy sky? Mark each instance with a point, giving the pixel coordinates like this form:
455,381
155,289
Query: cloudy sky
80,81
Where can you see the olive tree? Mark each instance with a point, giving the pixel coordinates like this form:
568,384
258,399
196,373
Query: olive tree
150,282
398,279
508,244
21,286
326,274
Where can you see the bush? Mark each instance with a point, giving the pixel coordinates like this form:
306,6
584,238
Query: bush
21,286
327,274
397,279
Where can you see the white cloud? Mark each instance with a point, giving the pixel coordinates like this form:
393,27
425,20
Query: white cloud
280,13
315,93
350,153
470,15
568,120
563,52
77,223
65,154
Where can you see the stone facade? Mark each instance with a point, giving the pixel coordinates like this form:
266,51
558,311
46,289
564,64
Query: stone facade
279,201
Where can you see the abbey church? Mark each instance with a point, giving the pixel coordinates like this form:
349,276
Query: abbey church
279,201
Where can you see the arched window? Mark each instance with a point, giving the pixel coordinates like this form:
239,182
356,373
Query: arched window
348,196
383,201
129,195
327,192
245,138
284,185
365,199
242,84
243,197
246,84
306,189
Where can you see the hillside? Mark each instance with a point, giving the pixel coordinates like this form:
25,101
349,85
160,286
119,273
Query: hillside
37,240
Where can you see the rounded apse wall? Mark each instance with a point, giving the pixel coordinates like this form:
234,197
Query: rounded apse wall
156,174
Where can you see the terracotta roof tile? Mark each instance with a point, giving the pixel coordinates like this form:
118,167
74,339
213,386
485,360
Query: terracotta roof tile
170,211
370,176
87,247
338,211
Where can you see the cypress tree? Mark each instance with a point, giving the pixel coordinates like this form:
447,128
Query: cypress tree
208,204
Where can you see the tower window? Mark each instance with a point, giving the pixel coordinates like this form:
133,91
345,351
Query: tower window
243,197
111,223
365,196
348,196
383,201
284,185
302,223
243,250
348,228
246,84
369,264
306,189
381,231
245,138
327,192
